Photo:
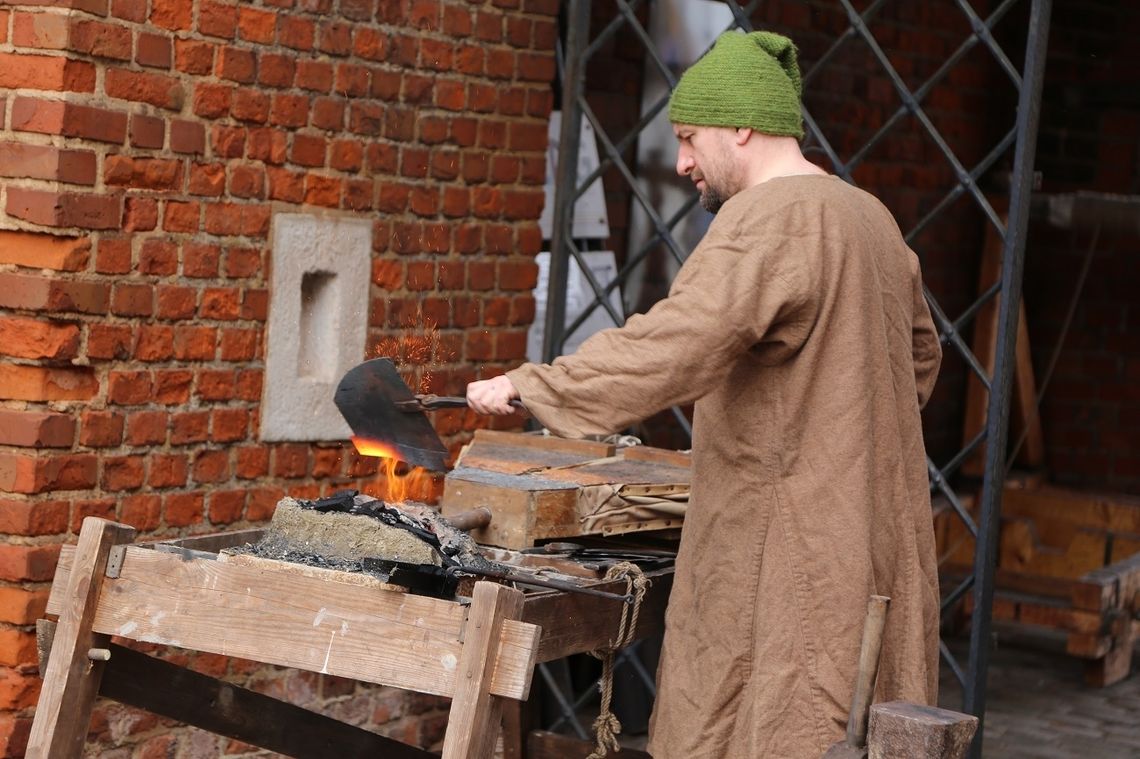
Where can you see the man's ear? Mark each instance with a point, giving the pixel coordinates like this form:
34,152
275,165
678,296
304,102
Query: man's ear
743,134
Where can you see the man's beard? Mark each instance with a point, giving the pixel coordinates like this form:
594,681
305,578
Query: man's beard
711,199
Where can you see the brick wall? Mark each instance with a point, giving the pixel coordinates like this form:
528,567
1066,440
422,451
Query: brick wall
1089,140
144,146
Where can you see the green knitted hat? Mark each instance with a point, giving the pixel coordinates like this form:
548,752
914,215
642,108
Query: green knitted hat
745,80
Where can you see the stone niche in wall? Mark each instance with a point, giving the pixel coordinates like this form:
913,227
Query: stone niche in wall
318,322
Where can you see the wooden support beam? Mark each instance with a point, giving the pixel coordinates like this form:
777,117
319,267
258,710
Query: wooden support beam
178,693
476,714
71,680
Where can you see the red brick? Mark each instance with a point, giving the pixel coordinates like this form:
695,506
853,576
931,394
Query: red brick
31,473
17,648
33,517
139,214
128,388
211,466
247,220
247,182
217,385
252,462
295,32
168,471
103,508
193,56
32,338
351,80
45,72
65,209
46,162
207,179
142,173
323,191
212,101
155,343
183,510
242,263
32,429
18,691
346,155
176,15
158,256
43,251
147,131
335,38
43,31
290,460
308,150
201,260
275,70
227,506
68,119
229,425
195,343
20,606
123,473
256,25
176,302
154,50
159,90
132,300
143,512
251,106
41,383
236,64
109,341
181,217
289,110
147,427
172,387
191,427
239,344
249,384
187,136
129,10
100,40
216,19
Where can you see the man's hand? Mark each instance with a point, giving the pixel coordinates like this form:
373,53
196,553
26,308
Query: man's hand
492,396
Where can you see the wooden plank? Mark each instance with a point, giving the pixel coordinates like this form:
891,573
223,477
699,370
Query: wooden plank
1117,663
337,628
573,623
189,697
1088,646
71,680
1106,511
475,717
213,542
587,448
544,745
681,459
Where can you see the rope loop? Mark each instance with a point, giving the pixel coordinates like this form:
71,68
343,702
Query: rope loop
606,726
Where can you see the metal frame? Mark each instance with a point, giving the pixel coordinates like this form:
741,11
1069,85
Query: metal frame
1022,136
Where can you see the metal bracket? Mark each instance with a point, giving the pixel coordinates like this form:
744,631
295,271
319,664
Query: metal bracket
115,561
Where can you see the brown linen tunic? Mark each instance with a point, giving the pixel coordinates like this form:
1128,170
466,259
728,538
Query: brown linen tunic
799,328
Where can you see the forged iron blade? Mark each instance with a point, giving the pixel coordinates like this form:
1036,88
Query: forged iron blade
367,396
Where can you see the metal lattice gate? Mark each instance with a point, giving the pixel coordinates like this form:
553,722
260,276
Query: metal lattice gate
1018,137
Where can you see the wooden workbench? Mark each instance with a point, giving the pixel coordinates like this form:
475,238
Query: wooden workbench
480,652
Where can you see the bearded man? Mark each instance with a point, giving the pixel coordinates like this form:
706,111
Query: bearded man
799,330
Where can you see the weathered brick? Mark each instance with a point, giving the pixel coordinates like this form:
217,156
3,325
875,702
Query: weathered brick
200,261
229,425
256,25
211,100
172,387
123,473
101,429
158,90
187,136
65,209
175,302
252,462
141,511
147,131
183,510
139,214
68,119
181,217
239,344
109,341
33,429
21,606
45,72
41,383
47,162
147,428
155,343
41,251
168,471
99,39
207,179
195,343
128,388
154,50
211,466
227,506
31,473
217,19
32,338
33,517
132,300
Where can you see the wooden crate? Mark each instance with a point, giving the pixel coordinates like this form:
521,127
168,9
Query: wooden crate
1068,561
539,488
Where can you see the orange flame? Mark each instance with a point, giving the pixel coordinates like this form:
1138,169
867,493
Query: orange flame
397,482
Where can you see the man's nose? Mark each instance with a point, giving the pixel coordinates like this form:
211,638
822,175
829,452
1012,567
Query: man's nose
685,162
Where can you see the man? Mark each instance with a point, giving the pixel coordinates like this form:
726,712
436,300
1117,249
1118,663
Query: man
799,329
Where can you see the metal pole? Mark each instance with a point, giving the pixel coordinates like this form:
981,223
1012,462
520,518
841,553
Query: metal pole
565,177
1013,250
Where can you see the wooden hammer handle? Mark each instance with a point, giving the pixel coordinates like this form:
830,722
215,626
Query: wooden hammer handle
470,520
868,668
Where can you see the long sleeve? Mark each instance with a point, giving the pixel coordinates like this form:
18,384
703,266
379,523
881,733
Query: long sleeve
726,300
927,348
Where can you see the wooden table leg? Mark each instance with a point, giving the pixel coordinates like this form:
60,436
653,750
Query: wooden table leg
476,715
71,680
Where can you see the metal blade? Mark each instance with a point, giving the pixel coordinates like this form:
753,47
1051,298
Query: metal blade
367,396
